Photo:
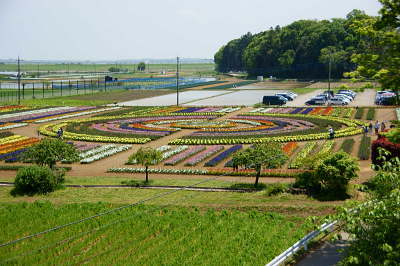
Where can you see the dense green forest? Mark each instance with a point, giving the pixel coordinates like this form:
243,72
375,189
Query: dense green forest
300,50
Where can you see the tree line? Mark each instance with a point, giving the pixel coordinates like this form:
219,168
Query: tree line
302,49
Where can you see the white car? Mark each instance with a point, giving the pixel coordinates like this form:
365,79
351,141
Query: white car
344,96
339,101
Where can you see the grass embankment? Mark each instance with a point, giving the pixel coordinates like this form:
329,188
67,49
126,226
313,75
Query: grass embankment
99,98
153,235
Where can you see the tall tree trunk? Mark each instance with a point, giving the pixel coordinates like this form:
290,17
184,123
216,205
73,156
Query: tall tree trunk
147,174
257,177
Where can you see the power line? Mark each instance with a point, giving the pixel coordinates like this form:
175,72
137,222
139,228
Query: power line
66,240
101,214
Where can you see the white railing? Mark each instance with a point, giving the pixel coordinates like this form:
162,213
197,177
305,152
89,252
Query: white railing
302,243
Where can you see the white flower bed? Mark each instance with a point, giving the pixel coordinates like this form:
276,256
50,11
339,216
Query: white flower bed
77,114
254,123
14,126
94,151
266,110
177,150
106,153
257,110
159,171
228,110
34,112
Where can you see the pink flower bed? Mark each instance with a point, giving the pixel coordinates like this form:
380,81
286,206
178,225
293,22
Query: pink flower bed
203,155
184,155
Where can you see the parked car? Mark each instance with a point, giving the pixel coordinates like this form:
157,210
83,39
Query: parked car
348,91
274,100
344,96
338,101
294,95
285,95
347,94
316,101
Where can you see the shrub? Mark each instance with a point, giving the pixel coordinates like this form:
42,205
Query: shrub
331,177
347,145
371,114
364,151
275,189
35,179
383,142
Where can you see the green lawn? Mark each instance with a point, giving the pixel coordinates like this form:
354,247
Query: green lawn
151,235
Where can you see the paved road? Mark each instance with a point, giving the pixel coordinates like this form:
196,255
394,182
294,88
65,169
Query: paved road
328,254
302,98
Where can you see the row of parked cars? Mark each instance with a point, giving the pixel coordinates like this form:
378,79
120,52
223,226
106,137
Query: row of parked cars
279,98
385,97
342,97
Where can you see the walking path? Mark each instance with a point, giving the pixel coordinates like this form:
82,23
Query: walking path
328,254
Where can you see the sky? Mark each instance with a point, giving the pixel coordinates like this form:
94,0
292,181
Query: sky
133,29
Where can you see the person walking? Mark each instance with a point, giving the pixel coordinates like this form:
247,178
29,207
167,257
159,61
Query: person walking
383,126
331,133
377,126
370,126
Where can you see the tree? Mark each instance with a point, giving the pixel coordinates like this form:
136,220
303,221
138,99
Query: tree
390,14
141,66
146,156
380,59
375,224
50,151
260,156
114,69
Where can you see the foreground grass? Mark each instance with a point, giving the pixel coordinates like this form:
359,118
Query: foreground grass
152,235
285,203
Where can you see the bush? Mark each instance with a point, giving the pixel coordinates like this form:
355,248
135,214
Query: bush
383,142
275,189
35,179
331,177
347,145
371,114
364,151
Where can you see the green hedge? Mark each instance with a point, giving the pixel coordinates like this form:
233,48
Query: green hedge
347,145
364,151
359,113
371,114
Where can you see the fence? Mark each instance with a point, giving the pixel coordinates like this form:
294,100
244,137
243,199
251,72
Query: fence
46,89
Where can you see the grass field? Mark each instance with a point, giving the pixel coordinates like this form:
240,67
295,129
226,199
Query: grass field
151,235
104,67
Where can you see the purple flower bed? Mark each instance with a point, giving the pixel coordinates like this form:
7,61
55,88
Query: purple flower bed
296,111
12,156
214,161
184,155
48,114
307,110
189,110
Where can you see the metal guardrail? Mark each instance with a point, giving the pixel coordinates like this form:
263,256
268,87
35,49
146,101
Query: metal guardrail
302,243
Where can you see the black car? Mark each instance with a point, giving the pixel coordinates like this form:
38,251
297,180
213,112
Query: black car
274,100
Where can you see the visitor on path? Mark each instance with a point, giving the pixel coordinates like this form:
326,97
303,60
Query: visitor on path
60,133
377,126
383,126
370,127
365,129
331,133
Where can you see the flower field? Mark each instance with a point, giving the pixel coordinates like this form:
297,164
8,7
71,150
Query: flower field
208,136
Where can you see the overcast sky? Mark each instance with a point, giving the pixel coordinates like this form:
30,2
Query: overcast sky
132,29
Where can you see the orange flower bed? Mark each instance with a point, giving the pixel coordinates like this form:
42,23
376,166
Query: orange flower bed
289,147
327,111
6,148
316,111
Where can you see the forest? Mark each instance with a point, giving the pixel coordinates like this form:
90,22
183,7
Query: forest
301,50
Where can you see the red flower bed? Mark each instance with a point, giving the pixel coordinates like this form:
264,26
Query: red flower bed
383,142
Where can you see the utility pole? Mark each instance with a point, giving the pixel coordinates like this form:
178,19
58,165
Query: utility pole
329,76
177,81
19,83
